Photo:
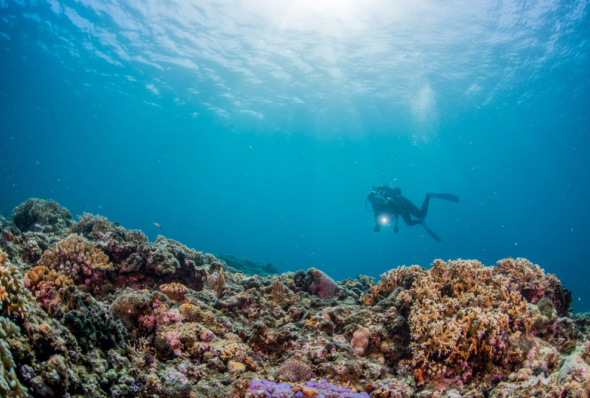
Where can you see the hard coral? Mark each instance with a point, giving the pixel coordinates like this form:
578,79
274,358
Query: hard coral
174,291
9,384
461,313
45,284
534,284
294,370
14,297
78,259
41,214
218,282
389,388
360,340
281,294
401,277
92,226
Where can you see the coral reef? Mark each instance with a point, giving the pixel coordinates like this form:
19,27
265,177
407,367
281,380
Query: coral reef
14,300
103,312
41,215
463,319
247,266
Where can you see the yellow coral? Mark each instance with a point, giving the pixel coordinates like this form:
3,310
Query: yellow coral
75,250
78,259
40,274
389,282
14,297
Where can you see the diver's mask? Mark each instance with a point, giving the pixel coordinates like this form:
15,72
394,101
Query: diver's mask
376,199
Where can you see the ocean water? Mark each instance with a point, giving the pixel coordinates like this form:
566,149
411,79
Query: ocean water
257,128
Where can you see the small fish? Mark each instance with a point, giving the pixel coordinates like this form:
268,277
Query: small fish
157,225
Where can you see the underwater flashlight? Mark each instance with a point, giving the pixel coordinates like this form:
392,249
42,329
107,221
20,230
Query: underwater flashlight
384,219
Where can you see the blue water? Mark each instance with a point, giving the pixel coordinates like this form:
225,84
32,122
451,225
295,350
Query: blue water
257,128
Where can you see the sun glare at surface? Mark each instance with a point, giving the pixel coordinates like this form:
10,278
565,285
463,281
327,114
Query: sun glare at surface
323,16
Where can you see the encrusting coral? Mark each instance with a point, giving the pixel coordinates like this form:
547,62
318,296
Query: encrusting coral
118,316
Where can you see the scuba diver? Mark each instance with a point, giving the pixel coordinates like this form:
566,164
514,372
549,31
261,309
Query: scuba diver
388,203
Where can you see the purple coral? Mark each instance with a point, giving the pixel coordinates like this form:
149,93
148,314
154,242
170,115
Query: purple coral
322,286
284,390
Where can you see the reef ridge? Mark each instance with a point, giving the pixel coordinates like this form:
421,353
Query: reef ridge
91,309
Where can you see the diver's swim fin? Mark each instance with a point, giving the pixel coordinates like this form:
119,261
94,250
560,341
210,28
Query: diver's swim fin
443,195
430,232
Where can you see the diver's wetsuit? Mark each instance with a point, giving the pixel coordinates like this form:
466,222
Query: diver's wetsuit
387,201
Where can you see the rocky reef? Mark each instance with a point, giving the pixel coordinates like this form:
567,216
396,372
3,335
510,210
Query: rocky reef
91,309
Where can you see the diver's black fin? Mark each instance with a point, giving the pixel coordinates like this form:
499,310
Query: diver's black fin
443,195
431,232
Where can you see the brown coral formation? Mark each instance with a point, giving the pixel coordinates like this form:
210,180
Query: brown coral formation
78,259
174,291
76,250
463,318
218,283
294,370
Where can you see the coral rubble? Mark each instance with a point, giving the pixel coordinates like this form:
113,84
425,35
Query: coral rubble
91,309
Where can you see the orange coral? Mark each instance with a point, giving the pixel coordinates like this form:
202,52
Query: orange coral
308,392
40,274
393,279
460,313
75,251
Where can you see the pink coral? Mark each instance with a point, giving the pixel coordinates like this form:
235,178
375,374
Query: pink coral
206,335
360,340
173,339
